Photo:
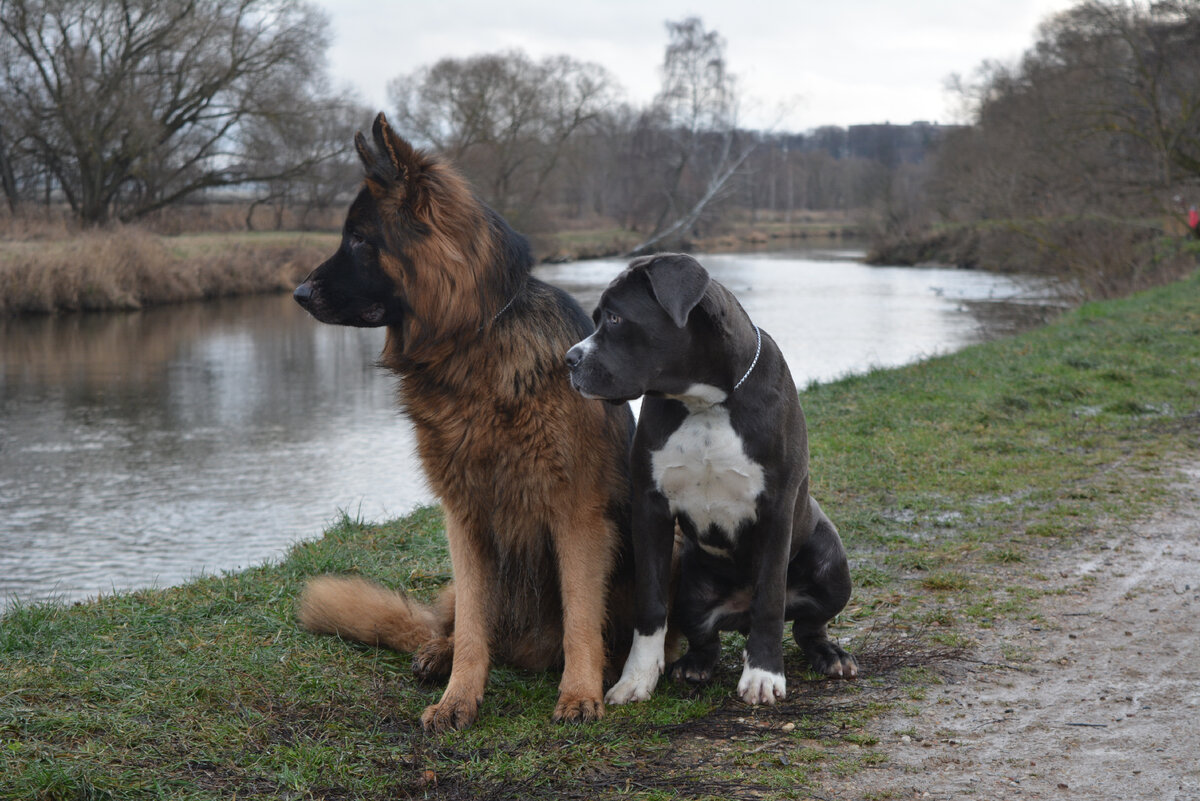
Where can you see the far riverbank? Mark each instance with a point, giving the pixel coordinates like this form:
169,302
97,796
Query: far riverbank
127,267
1091,257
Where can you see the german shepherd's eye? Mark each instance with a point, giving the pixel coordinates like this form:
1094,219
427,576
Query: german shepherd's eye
354,242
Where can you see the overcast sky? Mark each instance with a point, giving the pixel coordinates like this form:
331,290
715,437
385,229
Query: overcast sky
801,63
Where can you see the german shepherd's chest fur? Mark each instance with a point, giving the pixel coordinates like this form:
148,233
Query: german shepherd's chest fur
499,433
497,423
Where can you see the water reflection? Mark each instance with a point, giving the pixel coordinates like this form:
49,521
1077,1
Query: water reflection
139,449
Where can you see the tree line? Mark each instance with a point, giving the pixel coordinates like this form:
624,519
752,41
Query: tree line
1079,156
1074,159
121,108
551,142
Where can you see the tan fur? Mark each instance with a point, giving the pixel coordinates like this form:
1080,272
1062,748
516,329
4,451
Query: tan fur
355,609
528,472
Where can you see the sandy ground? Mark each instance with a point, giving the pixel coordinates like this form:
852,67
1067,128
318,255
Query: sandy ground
1100,700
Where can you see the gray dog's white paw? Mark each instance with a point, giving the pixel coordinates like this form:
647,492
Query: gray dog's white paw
758,686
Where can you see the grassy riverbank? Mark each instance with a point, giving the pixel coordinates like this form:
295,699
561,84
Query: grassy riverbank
952,482
742,232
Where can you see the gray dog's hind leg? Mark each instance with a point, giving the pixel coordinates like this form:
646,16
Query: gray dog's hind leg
697,665
698,616
818,588
825,656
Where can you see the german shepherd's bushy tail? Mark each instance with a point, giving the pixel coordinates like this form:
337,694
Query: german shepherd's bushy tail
355,609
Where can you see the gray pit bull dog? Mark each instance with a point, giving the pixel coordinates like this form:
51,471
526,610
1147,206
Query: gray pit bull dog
721,450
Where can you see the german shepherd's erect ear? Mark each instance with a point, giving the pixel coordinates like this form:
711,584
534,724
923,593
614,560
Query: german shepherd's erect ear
392,161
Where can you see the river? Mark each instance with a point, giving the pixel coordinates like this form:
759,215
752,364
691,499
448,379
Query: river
143,448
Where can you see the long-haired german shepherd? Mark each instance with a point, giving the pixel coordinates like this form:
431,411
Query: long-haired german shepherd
533,478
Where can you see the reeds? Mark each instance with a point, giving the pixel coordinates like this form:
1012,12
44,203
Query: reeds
128,268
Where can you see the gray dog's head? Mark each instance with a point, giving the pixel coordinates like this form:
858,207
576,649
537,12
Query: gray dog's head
642,343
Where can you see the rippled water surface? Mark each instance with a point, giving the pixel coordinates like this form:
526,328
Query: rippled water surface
140,449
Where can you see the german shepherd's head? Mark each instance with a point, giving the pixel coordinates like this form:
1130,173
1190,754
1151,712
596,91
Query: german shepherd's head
419,254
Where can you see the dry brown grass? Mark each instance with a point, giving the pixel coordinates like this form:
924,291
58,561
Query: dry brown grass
128,267
233,217
57,222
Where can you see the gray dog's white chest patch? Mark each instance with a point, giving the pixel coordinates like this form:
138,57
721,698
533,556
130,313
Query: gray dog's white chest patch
703,470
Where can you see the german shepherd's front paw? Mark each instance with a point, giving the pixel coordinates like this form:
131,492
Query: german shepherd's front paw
449,714
573,708
433,660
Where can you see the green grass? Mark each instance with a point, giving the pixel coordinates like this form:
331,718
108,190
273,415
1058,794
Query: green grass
952,482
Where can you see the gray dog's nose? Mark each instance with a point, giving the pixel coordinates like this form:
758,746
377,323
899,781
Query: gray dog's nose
303,293
574,356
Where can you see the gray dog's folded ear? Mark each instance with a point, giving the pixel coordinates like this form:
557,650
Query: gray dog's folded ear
678,282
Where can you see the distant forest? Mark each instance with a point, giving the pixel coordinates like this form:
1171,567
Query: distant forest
1082,154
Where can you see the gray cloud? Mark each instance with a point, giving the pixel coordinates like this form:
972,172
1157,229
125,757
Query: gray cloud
822,63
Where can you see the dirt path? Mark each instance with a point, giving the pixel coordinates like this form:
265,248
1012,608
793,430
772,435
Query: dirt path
1101,700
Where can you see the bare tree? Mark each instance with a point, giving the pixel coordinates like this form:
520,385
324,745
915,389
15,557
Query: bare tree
8,178
12,155
1143,61
1102,114
320,137
698,106
135,104
505,119
1078,151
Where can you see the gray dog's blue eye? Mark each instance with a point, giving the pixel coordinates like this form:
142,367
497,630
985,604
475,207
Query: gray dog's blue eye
613,319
